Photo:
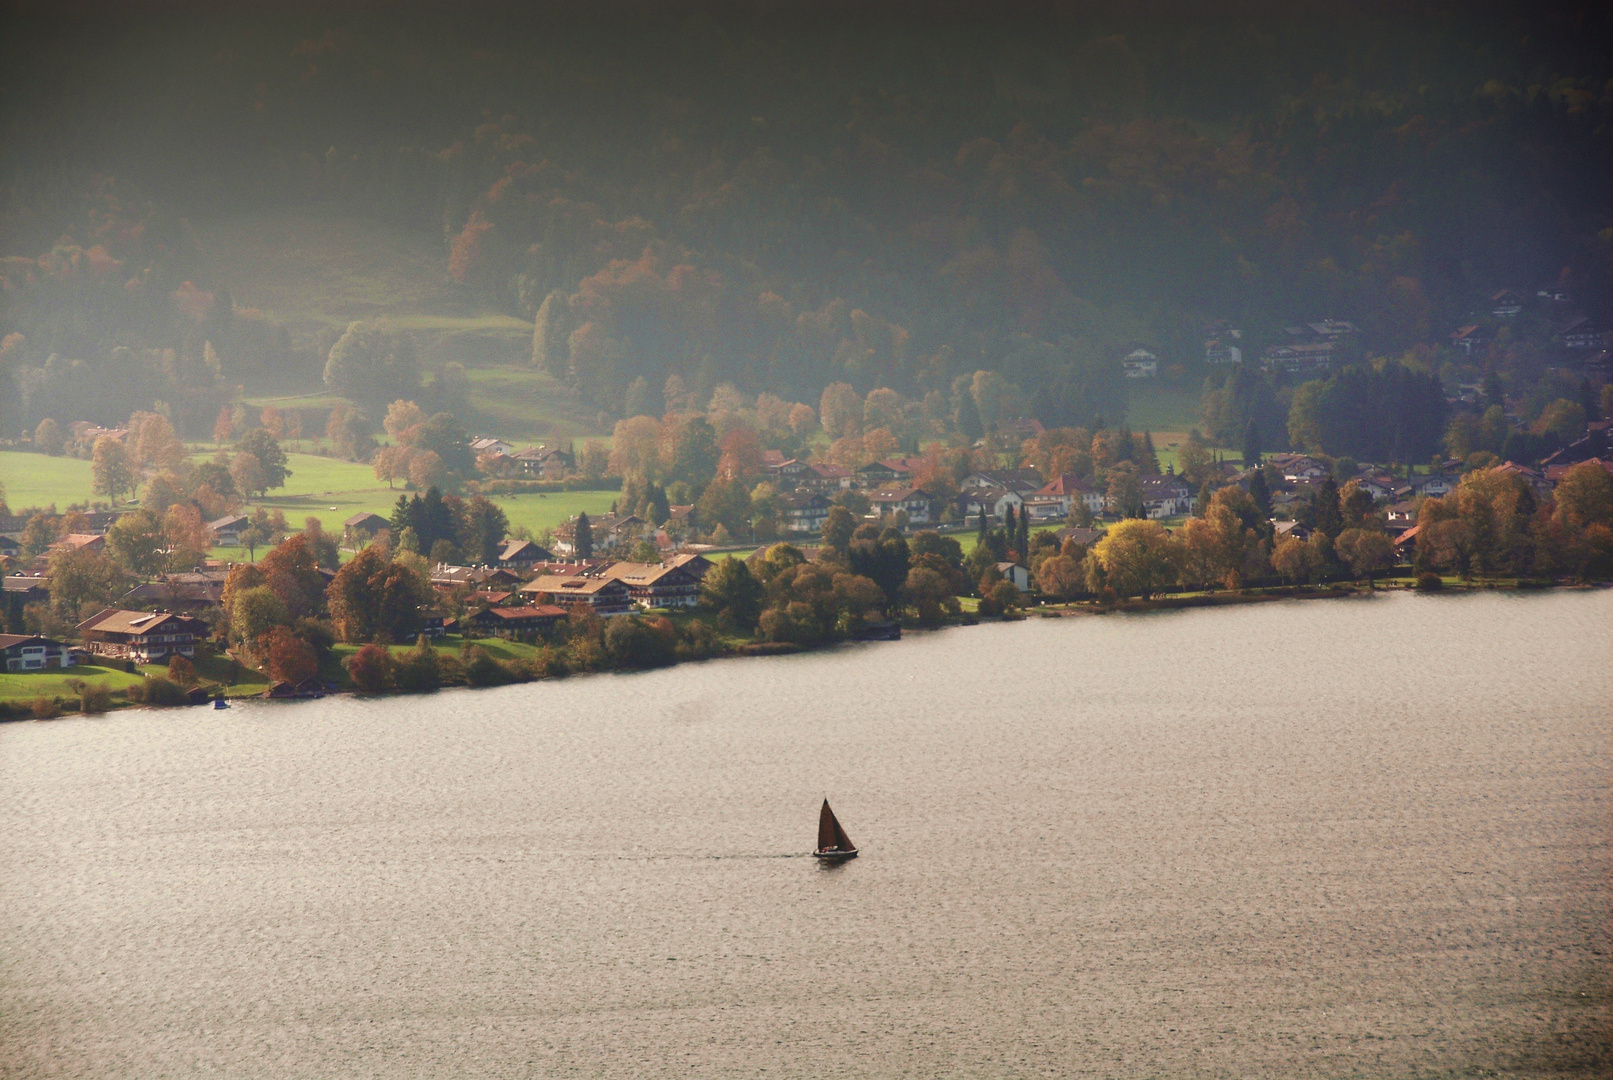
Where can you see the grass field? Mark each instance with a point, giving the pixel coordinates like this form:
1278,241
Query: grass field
37,480
20,686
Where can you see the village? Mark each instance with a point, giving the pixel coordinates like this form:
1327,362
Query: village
992,542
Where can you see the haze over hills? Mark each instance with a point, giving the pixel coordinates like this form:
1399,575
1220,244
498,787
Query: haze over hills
782,197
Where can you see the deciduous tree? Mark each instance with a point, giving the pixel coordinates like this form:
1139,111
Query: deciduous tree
109,468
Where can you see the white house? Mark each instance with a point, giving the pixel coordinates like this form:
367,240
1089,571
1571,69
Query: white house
915,502
1140,364
994,501
30,652
1435,484
1016,575
804,511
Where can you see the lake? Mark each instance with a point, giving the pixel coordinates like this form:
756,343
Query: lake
1352,837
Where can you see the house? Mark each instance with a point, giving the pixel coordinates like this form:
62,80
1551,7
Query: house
143,636
1167,496
1016,575
804,511
1224,349
1403,513
81,542
1083,537
1139,364
448,576
1597,442
10,546
663,584
1331,329
1020,480
21,589
365,523
877,474
30,652
786,474
1281,529
1467,338
486,445
543,462
1045,508
1026,427
994,502
1505,303
914,502
1539,485
1555,473
609,531
522,554
173,594
1579,332
1297,358
825,476
1299,467
1071,490
694,563
1376,484
227,530
603,595
1435,484
508,621
311,687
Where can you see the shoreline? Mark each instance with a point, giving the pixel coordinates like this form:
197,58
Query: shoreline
748,650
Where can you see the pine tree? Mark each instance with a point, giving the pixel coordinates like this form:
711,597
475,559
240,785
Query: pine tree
1251,446
1260,492
582,544
984,528
1025,536
969,424
1150,456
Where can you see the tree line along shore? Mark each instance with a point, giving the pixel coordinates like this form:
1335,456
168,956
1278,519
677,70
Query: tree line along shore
301,621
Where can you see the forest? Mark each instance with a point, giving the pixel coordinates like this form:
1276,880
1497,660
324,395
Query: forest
787,197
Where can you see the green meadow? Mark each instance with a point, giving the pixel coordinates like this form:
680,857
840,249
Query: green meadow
324,488
36,480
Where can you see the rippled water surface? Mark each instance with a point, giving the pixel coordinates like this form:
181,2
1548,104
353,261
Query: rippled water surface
1365,837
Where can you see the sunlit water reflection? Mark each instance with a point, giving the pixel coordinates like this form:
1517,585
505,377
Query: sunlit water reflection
1353,837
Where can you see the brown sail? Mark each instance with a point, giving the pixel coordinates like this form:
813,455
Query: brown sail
831,837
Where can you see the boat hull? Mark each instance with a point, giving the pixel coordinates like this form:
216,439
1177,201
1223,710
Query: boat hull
835,856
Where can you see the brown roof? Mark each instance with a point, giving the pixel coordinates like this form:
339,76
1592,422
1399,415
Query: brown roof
641,573
8,640
569,586
518,614
116,621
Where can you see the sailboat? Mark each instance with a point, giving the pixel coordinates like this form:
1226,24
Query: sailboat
833,843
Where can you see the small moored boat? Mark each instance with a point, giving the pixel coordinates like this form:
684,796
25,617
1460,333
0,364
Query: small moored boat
833,843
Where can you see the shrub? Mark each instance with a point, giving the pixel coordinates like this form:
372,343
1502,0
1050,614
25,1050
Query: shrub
481,669
371,669
290,658
181,670
633,643
1429,582
43,708
156,690
93,699
420,668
